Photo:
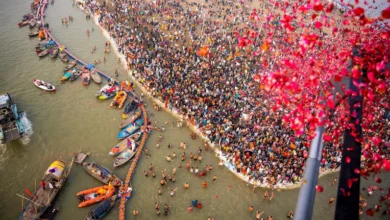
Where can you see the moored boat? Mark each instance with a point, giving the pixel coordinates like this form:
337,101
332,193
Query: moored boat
94,195
76,73
124,157
131,128
66,76
32,23
107,91
44,85
33,34
54,179
11,127
70,65
43,53
64,57
131,118
101,173
23,23
54,52
119,100
129,142
130,108
86,77
102,209
96,77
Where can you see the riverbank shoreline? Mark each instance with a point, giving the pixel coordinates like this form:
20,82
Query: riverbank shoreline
193,128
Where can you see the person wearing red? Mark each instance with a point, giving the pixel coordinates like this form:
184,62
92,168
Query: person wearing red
43,184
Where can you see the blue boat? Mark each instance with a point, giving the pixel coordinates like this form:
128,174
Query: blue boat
102,209
130,129
11,127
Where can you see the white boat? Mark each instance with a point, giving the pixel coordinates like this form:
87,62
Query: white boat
44,85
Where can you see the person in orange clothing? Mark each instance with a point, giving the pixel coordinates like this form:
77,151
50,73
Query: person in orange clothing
204,184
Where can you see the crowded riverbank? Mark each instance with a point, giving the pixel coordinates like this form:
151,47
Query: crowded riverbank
205,125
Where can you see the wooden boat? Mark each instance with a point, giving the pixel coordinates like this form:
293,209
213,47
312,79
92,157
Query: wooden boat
101,173
131,118
64,57
23,23
44,85
123,157
107,91
94,195
129,142
80,157
130,108
27,17
86,77
96,77
130,129
33,34
119,100
32,23
75,74
41,44
70,65
54,52
54,178
102,209
43,53
66,76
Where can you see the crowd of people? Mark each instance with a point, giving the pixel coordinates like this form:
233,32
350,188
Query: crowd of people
216,91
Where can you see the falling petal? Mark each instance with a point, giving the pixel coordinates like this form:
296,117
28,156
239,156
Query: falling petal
370,212
319,188
358,11
349,183
357,171
378,180
348,159
386,165
318,24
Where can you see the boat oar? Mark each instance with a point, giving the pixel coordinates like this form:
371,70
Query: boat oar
29,200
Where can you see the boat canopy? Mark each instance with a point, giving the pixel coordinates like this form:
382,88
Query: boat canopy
101,209
5,100
56,169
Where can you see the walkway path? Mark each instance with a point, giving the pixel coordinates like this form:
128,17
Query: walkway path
41,14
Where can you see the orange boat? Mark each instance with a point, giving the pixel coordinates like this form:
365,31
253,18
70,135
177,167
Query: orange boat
94,195
119,99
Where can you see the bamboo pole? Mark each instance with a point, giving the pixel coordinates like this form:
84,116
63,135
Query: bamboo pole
22,204
29,200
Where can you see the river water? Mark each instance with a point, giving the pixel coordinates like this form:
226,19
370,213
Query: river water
72,119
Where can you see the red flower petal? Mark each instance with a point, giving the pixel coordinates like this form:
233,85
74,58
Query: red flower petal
337,78
349,183
386,165
378,180
348,160
370,212
357,171
386,13
358,11
318,6
319,188
329,8
317,25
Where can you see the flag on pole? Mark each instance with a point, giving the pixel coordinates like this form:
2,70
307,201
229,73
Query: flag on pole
28,192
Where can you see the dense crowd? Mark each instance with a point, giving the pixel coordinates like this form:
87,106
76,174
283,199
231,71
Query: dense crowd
216,92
